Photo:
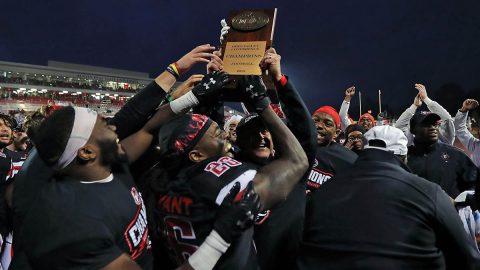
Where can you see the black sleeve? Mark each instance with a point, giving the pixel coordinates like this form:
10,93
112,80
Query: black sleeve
459,252
29,181
136,112
470,174
298,119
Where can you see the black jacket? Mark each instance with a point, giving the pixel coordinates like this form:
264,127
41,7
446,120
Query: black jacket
278,232
377,215
444,165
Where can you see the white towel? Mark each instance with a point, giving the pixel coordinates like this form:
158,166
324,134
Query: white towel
470,223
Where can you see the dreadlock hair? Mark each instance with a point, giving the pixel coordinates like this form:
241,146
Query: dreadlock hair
9,121
52,135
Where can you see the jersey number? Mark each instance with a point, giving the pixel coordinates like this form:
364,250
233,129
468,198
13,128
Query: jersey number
221,165
179,230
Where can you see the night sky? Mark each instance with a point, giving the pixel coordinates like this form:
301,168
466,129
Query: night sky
326,46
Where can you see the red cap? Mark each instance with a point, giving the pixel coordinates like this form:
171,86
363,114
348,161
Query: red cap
369,116
330,111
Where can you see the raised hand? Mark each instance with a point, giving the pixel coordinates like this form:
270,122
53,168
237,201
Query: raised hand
216,63
418,100
187,85
349,144
469,104
201,53
255,92
271,62
210,87
349,93
422,91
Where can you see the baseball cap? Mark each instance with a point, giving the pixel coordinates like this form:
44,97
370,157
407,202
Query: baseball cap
250,122
394,139
423,117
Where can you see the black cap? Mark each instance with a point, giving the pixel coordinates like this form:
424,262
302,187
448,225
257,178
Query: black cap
423,117
249,122
354,127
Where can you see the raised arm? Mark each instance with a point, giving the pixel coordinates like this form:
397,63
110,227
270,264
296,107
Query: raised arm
447,129
463,134
273,182
142,106
403,122
298,117
345,121
136,144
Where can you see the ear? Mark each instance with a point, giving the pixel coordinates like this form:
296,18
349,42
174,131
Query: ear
87,153
196,156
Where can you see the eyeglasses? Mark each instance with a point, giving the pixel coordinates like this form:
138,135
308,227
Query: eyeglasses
355,138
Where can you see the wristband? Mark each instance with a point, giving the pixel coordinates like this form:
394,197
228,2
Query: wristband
184,103
172,69
283,81
209,252
177,68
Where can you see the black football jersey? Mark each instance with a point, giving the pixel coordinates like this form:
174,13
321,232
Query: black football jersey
187,211
5,166
18,158
5,171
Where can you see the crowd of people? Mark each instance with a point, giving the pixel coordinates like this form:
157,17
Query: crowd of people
92,85
168,184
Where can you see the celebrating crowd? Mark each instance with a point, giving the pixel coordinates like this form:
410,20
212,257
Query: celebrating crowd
168,183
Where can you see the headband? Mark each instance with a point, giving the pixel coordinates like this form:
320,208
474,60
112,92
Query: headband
82,129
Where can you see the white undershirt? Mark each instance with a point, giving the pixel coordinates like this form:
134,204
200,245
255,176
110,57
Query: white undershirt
101,181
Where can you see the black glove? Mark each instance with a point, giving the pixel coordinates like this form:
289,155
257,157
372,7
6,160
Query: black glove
235,217
255,92
210,86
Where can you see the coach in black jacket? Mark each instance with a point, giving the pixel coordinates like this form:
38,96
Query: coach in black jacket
278,231
377,215
437,162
